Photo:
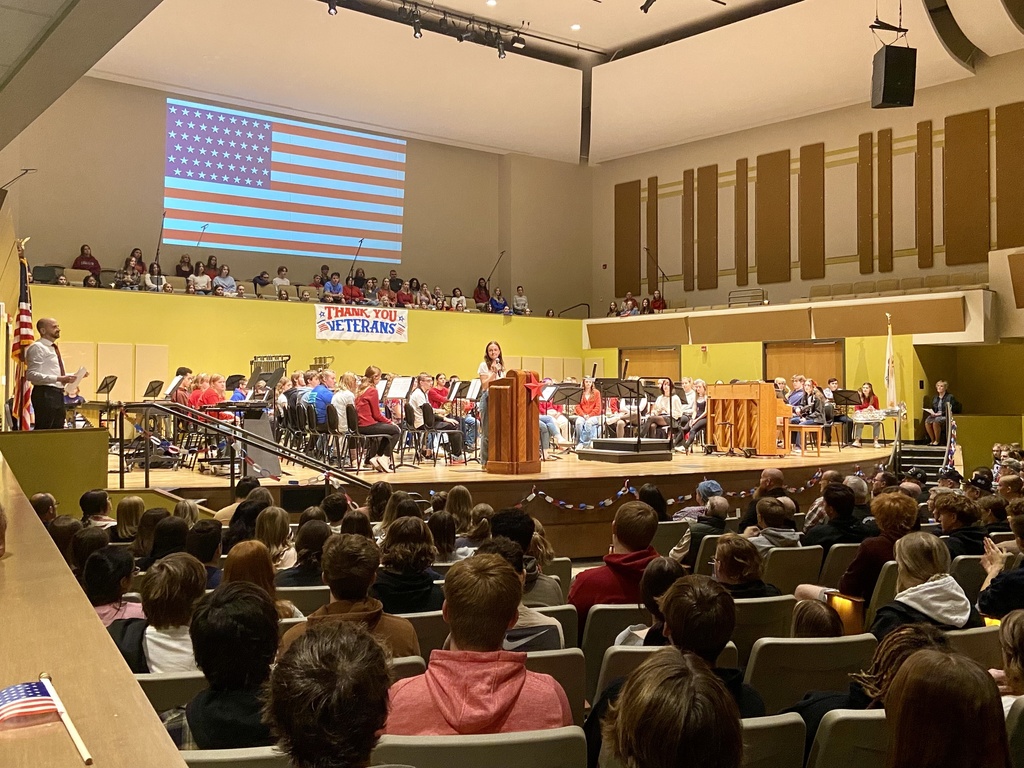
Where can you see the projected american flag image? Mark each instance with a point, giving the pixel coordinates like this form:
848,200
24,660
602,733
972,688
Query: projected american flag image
273,185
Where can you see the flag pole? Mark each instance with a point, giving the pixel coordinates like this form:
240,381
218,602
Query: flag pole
65,718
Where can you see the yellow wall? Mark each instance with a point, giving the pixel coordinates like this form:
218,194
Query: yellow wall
222,335
743,360
976,434
30,456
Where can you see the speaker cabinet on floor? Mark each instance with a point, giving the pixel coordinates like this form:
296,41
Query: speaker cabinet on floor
893,77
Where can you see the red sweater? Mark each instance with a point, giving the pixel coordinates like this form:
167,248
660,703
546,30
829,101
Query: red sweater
862,575
863,405
368,408
352,293
591,407
211,397
467,692
617,582
437,396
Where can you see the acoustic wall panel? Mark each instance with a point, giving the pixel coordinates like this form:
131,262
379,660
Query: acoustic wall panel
650,257
688,231
79,354
152,364
117,360
1009,173
925,224
966,191
885,248
533,364
627,237
865,204
740,228
707,227
553,368
811,207
772,218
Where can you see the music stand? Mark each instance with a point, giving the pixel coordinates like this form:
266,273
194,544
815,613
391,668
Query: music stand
232,382
621,390
153,390
564,395
106,386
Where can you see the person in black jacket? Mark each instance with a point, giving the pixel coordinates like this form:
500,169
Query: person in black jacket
405,584
712,523
960,520
868,689
700,616
1001,592
842,527
772,484
309,545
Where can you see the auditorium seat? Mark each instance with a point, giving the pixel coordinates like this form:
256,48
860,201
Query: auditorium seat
252,757
283,625
568,666
758,617
431,631
842,289
959,279
1015,732
836,562
604,623
668,535
980,644
567,617
441,568
783,669
820,292
178,283
621,660
76,276
864,286
776,741
887,286
788,567
850,738
969,574
306,599
408,666
911,283
936,281
554,748
708,545
562,568
168,690
885,591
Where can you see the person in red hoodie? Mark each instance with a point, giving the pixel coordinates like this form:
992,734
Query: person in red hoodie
617,582
476,687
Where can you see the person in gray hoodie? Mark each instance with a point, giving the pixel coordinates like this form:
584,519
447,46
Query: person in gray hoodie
926,593
776,526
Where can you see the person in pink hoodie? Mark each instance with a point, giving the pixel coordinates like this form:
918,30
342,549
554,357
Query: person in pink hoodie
617,582
476,687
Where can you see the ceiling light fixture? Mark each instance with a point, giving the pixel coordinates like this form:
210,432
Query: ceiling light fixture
575,27
466,35
501,48
518,42
417,26
647,5
332,7
492,3
443,26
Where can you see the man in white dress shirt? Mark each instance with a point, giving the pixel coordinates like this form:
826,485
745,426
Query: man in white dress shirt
46,374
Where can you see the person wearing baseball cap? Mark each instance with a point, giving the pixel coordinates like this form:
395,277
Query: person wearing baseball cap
949,478
978,487
706,489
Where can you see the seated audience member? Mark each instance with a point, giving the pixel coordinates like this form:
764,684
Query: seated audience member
772,484
143,543
931,701
349,568
107,576
282,294
169,537
406,582
184,266
442,528
199,281
187,510
482,296
90,281
62,529
476,532
813,618
711,523
980,484
458,303
520,304
1011,677
1001,592
775,526
868,688
925,592
352,293
700,617
645,307
203,543
497,304
129,512
242,489
274,530
45,506
960,518
160,642
816,514
739,568
154,279
358,523
312,513
840,526
518,526
228,714
459,505
243,523
335,506
658,303
658,576
705,491
532,631
262,280
618,580
83,543
651,495
476,687
308,569
250,561
993,514
644,727
327,701
404,296
225,281
1011,487
333,287
397,506
282,278
895,515
613,310
861,496
85,260
96,507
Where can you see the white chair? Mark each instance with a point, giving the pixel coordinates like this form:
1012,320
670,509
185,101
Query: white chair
555,748
758,617
668,535
1015,732
969,574
604,623
776,741
562,568
885,591
836,562
168,690
568,618
783,669
568,667
708,545
850,738
431,630
306,599
981,644
252,757
788,567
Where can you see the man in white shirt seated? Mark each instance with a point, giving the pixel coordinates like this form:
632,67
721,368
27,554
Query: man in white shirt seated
282,277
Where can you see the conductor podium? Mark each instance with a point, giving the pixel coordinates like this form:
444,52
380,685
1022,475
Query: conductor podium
513,418
744,417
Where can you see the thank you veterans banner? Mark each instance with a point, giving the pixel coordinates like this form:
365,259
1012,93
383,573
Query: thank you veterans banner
356,323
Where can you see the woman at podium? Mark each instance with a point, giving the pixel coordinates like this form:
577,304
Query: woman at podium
492,368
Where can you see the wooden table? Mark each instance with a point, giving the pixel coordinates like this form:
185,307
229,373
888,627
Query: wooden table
49,626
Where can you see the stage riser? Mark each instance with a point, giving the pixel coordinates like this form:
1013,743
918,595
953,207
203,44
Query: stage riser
623,457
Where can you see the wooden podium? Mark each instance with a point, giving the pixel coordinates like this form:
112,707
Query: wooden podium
513,421
753,410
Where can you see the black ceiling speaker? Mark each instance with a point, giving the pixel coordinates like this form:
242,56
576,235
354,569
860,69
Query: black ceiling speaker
893,77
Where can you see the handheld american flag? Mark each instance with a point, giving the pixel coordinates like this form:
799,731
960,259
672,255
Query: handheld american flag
23,338
275,185
26,700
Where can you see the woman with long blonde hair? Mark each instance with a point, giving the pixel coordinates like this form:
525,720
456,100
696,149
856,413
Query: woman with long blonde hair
129,512
373,423
274,530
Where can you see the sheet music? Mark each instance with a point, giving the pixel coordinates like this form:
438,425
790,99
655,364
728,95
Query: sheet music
72,385
474,390
381,385
174,383
400,386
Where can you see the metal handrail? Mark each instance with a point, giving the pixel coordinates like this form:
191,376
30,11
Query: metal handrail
233,434
581,304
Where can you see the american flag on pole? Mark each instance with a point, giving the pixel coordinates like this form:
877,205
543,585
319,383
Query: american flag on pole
890,367
23,338
25,700
274,185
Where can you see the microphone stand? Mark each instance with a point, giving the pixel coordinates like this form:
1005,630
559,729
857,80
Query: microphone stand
202,231
500,255
352,269
24,172
159,239
657,266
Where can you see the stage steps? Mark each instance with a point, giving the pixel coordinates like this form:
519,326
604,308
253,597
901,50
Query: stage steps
926,457
626,450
